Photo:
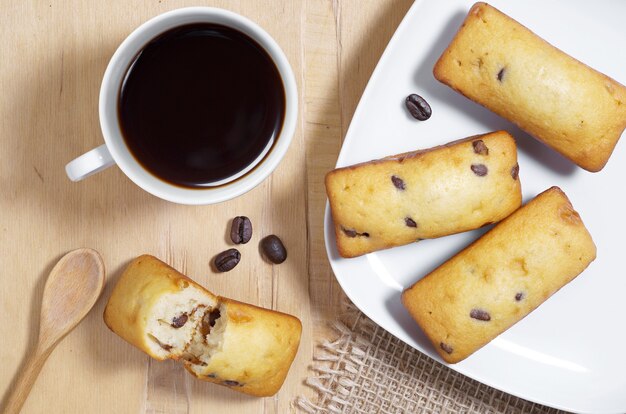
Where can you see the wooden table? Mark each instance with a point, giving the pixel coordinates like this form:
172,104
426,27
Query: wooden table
52,57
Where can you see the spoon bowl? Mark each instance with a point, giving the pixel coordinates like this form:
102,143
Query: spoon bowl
72,288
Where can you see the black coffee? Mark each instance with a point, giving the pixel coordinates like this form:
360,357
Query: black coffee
200,103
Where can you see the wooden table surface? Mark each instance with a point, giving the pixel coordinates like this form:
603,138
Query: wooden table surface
53,54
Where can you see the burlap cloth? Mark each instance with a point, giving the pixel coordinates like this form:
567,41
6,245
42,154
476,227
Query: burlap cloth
367,370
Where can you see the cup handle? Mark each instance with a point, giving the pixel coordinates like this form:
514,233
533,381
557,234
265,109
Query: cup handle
89,163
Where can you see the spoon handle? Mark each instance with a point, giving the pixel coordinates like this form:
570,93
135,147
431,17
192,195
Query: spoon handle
25,380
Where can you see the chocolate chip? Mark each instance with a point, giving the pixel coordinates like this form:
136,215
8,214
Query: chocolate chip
480,147
480,314
519,296
179,321
208,321
161,344
212,375
214,315
398,182
354,233
241,230
501,74
447,348
232,383
274,249
410,222
227,260
193,359
418,107
479,169
349,232
515,171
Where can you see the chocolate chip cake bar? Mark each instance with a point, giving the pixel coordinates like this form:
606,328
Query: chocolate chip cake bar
424,194
169,316
501,277
500,64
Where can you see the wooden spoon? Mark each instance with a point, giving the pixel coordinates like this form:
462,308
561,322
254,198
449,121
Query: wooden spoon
72,288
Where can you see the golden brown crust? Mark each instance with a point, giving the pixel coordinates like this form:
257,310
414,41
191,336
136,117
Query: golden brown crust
145,279
259,347
502,276
500,64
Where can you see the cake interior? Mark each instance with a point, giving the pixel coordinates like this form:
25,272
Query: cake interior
187,325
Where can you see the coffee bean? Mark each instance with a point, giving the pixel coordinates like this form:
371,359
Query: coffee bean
232,383
410,222
447,348
241,230
418,107
398,182
519,296
274,249
179,321
515,171
227,260
479,169
480,147
480,314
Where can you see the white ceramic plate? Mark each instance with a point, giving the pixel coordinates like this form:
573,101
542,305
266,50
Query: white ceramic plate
567,353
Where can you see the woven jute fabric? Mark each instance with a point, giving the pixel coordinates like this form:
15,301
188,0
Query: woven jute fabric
366,370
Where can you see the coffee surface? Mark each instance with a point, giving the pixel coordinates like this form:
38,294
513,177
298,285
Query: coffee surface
200,103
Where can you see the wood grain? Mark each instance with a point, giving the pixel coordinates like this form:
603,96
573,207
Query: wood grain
53,56
71,290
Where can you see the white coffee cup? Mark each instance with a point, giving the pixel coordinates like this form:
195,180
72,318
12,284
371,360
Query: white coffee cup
115,151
